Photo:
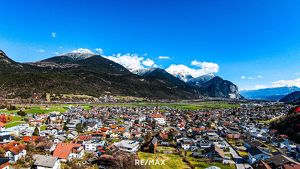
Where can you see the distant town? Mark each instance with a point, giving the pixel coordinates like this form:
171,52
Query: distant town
139,134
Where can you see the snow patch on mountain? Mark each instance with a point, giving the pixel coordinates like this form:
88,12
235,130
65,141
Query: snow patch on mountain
185,73
79,54
144,71
201,79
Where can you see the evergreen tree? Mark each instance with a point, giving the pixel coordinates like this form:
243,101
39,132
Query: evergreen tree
36,131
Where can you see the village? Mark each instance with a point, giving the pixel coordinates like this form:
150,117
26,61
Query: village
148,137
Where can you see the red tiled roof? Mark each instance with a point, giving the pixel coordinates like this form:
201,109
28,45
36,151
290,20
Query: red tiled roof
156,115
104,129
85,137
291,166
63,150
121,129
297,109
30,138
14,147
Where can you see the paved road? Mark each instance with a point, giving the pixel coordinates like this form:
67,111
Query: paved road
239,163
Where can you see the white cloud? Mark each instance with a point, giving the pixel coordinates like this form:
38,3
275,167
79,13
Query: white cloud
148,62
260,87
256,87
298,73
163,57
131,61
99,51
56,53
53,34
281,83
204,68
252,78
42,50
207,67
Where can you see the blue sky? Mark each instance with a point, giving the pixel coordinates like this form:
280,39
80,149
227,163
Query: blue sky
254,43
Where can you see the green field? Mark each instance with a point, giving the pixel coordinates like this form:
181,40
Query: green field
13,123
199,163
43,127
41,109
179,105
37,109
172,161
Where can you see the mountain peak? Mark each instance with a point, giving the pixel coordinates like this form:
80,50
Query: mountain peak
4,58
2,53
198,81
7,64
79,54
145,71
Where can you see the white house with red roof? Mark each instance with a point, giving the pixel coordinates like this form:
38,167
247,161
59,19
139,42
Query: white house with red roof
159,118
68,151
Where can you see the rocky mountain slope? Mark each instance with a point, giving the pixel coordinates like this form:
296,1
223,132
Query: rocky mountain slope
198,81
289,125
293,97
217,87
208,85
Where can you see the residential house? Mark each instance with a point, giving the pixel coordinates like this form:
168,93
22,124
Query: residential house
153,145
216,154
93,145
186,143
59,139
2,126
72,135
159,118
6,138
46,162
4,163
128,146
278,161
31,139
92,126
14,151
68,151
255,155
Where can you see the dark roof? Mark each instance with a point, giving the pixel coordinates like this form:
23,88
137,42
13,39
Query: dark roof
5,137
4,160
254,151
279,160
253,143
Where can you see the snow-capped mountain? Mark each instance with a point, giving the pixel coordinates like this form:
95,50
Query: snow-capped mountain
198,81
180,74
143,72
161,74
79,54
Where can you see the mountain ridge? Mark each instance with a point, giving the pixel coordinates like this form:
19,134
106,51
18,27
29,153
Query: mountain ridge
293,98
272,94
95,75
